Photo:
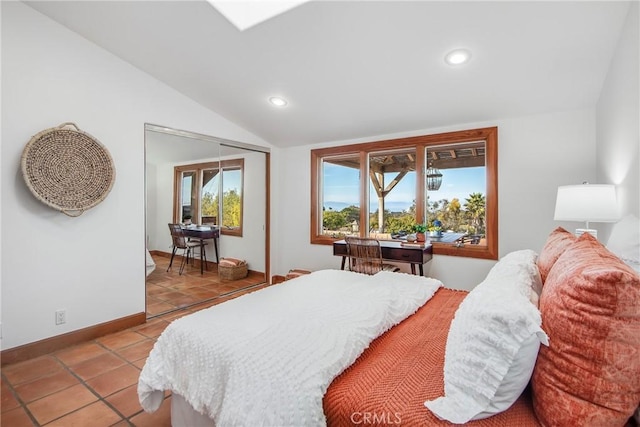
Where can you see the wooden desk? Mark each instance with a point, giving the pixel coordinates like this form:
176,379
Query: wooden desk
203,233
393,251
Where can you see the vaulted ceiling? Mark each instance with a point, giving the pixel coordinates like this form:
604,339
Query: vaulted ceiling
357,69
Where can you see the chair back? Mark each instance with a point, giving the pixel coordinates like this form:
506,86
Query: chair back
365,255
177,235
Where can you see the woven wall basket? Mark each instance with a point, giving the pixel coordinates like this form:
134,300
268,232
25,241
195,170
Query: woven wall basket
67,169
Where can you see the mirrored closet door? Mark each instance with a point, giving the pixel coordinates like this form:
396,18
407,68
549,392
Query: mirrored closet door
217,191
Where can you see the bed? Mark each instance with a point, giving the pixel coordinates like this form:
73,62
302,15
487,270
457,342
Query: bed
339,348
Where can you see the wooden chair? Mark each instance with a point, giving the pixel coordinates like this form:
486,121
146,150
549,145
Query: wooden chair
180,241
365,256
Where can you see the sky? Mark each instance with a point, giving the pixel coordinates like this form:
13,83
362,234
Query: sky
341,187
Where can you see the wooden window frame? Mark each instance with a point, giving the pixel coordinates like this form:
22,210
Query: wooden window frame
489,135
198,168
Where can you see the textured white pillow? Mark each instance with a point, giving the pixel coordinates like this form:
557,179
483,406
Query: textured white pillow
522,269
492,346
625,240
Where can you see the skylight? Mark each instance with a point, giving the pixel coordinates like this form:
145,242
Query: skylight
247,13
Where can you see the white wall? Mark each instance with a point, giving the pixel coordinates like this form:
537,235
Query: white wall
92,266
250,246
618,120
536,154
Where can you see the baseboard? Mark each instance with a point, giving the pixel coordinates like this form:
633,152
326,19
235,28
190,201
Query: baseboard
161,253
48,345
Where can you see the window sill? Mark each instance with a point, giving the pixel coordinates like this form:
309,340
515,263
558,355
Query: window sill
466,251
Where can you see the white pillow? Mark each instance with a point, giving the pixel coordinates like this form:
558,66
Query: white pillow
521,267
625,240
491,349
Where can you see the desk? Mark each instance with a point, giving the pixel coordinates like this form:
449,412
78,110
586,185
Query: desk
447,237
203,233
393,251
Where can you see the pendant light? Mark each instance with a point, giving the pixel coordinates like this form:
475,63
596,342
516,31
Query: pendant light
434,178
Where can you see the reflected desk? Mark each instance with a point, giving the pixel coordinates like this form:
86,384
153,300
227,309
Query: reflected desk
203,232
393,251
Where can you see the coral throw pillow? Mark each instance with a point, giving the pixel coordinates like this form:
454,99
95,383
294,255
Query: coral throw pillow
557,242
589,375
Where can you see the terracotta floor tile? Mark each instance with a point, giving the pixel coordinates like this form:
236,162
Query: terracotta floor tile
153,289
202,293
137,351
44,386
80,353
185,301
168,295
180,286
169,317
95,415
98,365
126,401
31,369
154,300
203,305
7,400
160,418
121,339
140,363
226,289
158,308
152,329
116,380
61,403
16,418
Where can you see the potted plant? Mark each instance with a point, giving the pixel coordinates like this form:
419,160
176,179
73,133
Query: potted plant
435,230
187,219
420,229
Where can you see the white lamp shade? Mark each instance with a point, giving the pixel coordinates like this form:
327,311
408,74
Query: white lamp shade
587,202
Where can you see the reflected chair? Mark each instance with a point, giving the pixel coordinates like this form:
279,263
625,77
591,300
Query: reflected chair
365,256
180,241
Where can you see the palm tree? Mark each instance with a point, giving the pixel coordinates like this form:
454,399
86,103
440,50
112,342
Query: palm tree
476,206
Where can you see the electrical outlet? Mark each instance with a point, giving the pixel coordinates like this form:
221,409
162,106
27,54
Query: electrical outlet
61,317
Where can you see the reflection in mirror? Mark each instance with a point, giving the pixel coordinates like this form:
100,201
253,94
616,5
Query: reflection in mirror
203,183
187,184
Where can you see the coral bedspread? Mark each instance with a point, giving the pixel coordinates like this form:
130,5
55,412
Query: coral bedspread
401,369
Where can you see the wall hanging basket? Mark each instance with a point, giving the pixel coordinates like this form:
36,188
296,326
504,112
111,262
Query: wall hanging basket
67,169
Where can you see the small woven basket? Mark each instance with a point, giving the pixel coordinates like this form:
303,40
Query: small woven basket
236,272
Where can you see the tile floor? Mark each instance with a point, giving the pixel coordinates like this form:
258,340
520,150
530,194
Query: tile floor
95,383
168,291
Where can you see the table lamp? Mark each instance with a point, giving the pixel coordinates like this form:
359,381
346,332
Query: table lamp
588,203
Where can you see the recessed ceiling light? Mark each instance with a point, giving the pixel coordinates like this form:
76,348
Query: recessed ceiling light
277,101
457,57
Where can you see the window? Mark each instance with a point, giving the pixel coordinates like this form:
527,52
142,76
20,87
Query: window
197,194
380,189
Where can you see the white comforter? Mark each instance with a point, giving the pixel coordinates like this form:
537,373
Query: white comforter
268,357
